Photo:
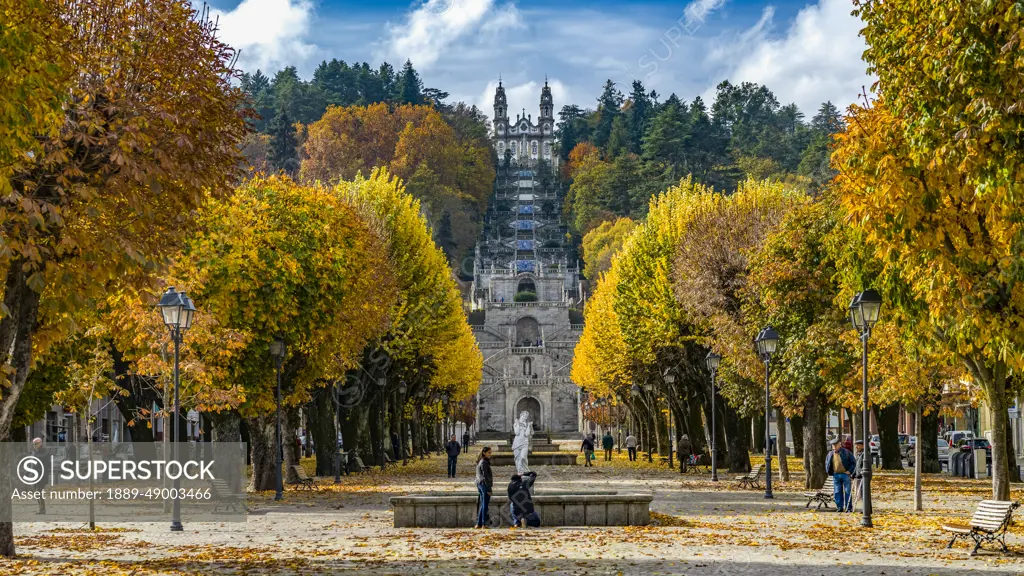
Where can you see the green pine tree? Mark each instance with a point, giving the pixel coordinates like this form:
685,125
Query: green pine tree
284,146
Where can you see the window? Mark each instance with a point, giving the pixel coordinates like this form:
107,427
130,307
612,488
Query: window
547,149
512,146
501,148
533,148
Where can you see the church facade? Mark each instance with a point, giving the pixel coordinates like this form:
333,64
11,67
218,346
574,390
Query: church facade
527,140
526,293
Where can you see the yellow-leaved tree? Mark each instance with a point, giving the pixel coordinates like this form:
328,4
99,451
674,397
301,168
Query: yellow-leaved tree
931,172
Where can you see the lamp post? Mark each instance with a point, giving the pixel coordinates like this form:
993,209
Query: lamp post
767,341
713,361
670,379
335,396
400,409
864,312
277,350
178,311
654,421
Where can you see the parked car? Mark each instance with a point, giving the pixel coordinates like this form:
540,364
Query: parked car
906,444
943,454
972,444
875,443
954,437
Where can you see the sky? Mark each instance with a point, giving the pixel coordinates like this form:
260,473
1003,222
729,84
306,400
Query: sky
806,51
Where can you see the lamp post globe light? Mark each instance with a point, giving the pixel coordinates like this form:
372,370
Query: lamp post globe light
177,311
864,311
767,342
713,360
277,350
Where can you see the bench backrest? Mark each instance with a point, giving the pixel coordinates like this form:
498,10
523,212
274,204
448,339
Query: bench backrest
756,471
300,472
829,486
991,515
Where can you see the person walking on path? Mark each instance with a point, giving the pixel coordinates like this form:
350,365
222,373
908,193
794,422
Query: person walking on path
631,446
607,442
685,449
588,449
839,464
484,484
857,477
453,449
396,446
465,441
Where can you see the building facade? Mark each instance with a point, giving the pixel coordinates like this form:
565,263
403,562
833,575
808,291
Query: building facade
526,140
525,304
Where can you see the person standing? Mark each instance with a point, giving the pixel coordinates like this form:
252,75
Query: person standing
39,452
465,441
453,449
685,449
396,446
631,446
607,442
857,477
484,484
588,449
839,464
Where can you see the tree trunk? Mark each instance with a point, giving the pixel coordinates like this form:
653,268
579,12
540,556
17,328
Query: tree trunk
1011,456
323,430
757,445
350,438
888,420
814,441
780,444
695,426
16,329
927,439
918,502
261,446
796,426
992,379
292,457
737,438
374,421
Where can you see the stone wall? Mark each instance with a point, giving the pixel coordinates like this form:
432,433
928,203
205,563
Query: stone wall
460,510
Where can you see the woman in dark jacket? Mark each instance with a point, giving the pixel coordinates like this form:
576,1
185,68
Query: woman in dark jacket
484,484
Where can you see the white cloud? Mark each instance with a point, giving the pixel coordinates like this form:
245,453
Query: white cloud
271,34
817,59
439,27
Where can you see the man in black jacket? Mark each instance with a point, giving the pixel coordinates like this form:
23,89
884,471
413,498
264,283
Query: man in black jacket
520,500
453,449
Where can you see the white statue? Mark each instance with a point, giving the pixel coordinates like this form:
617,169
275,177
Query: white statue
523,427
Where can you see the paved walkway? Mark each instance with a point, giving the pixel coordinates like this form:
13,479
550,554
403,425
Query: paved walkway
700,528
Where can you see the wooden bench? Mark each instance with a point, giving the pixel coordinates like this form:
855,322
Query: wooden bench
388,462
991,520
751,479
824,495
224,496
303,480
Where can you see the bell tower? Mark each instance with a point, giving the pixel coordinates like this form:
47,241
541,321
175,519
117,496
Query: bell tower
547,106
500,107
